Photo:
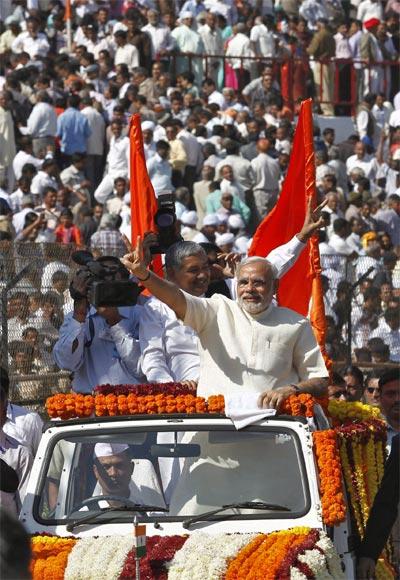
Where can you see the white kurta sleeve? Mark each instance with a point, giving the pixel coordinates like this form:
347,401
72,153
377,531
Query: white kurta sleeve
284,257
151,336
200,311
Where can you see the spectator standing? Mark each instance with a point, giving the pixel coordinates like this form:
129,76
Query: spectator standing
239,46
159,168
95,143
73,129
42,124
117,162
32,41
126,53
188,41
25,155
323,48
107,241
267,173
213,45
162,42
371,53
7,140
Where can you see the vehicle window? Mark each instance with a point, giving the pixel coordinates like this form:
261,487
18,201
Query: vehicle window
176,474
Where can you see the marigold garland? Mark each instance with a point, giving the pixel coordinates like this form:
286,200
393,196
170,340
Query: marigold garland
50,556
330,473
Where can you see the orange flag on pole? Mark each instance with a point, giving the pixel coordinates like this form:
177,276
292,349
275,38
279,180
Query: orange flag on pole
300,289
143,199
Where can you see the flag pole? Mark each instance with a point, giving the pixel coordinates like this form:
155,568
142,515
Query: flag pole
68,21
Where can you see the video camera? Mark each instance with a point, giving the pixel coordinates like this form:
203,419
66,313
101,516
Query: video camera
167,225
107,281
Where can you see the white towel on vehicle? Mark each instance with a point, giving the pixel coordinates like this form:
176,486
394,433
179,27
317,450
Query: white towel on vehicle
243,409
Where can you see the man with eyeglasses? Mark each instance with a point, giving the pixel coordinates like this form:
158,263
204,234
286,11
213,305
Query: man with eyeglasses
389,390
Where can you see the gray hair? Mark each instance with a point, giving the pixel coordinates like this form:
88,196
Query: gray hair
176,253
254,259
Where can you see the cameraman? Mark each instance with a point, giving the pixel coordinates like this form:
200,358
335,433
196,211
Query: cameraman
99,345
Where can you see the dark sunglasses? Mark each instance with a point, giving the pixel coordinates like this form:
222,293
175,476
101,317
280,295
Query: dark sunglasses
372,389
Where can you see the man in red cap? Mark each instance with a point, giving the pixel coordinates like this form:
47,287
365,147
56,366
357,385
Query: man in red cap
371,52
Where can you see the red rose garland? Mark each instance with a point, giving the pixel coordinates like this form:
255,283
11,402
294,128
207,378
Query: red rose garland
160,550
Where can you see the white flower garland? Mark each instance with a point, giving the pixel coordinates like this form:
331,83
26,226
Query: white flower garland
94,558
295,574
206,557
332,557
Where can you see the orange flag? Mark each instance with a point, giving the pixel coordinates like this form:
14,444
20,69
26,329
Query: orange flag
143,199
67,13
300,289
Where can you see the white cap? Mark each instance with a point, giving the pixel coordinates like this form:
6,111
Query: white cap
210,220
189,218
148,126
242,244
224,239
184,15
119,26
109,449
235,222
222,219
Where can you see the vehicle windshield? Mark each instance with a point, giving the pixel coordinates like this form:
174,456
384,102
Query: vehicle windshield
178,474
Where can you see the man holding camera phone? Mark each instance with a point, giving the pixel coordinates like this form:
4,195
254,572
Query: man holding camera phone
99,343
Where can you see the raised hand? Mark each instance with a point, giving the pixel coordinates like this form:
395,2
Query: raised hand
134,260
312,221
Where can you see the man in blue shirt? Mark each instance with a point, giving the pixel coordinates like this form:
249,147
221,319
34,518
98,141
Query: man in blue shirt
73,129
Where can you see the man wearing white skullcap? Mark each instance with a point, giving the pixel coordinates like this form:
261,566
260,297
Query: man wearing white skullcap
148,141
207,232
189,221
225,242
113,468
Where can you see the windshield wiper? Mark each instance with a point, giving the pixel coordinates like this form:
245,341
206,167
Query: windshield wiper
256,505
124,508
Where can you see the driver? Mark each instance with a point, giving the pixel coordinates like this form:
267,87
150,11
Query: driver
113,468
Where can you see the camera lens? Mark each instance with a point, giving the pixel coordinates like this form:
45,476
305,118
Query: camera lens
165,220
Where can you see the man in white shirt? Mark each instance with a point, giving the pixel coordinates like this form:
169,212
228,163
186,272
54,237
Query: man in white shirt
117,162
159,168
389,331
338,239
212,95
193,153
242,170
267,173
188,41
162,42
25,155
126,53
213,45
239,46
361,160
21,424
32,41
95,143
45,177
42,123
262,39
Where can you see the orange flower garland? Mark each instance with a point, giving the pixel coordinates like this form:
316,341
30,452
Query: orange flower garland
330,473
50,556
77,405
71,405
263,557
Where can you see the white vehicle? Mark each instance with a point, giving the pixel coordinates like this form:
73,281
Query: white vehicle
190,473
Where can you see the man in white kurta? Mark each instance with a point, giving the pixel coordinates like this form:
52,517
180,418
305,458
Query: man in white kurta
170,350
248,343
272,349
188,41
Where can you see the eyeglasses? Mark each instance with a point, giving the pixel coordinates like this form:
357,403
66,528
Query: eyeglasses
338,394
372,390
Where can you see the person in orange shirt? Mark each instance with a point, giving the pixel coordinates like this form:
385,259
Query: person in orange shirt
66,232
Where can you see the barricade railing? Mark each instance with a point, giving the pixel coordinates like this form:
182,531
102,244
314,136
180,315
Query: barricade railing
336,82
